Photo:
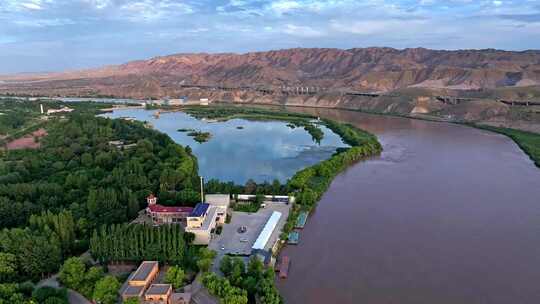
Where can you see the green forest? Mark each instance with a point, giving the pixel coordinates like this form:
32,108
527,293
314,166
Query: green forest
53,198
77,169
90,177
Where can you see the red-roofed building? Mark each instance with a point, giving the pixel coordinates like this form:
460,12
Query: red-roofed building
166,214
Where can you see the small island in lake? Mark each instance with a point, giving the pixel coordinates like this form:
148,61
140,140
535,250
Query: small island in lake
185,130
200,137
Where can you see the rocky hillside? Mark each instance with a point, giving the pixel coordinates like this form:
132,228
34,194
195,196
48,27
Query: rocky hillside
467,85
366,69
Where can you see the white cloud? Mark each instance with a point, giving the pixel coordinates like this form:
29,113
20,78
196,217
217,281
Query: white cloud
31,6
43,22
284,6
302,31
25,5
149,10
99,4
370,27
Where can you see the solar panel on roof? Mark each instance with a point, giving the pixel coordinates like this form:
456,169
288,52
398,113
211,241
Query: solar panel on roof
200,209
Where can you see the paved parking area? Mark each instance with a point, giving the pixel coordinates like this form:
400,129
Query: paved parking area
231,241
234,243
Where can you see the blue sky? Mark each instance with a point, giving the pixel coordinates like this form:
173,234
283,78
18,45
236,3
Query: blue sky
52,35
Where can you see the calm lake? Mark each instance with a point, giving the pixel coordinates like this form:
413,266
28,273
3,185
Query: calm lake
241,149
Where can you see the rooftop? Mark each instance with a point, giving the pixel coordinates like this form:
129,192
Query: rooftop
200,210
158,289
142,273
134,291
267,231
209,220
169,209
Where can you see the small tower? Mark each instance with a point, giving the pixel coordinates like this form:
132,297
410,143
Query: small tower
41,106
151,200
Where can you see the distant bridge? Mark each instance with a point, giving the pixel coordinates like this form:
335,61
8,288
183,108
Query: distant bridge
283,90
522,103
451,100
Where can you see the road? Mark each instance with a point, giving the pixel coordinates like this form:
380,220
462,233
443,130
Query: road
73,296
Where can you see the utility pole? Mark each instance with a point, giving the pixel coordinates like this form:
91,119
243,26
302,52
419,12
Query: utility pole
202,191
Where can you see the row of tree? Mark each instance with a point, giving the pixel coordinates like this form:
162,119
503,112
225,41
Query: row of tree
251,187
134,242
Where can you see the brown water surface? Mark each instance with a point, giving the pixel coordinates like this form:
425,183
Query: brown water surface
446,215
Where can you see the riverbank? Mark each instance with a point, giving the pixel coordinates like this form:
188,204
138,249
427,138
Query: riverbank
529,142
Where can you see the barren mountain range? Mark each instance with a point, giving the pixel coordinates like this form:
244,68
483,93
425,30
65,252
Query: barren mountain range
409,76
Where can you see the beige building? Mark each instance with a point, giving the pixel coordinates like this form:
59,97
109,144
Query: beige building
159,294
207,216
222,201
141,279
141,285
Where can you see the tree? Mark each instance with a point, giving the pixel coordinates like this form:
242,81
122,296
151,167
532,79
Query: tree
238,271
225,265
250,187
175,276
132,301
106,290
8,266
92,276
55,300
72,273
206,257
255,267
204,264
276,187
40,255
42,294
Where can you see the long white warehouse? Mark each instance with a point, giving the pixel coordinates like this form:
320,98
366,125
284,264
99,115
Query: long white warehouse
267,231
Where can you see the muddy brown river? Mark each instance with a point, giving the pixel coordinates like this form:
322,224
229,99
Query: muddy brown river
446,215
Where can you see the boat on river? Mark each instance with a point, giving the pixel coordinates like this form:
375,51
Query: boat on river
284,267
301,220
293,238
